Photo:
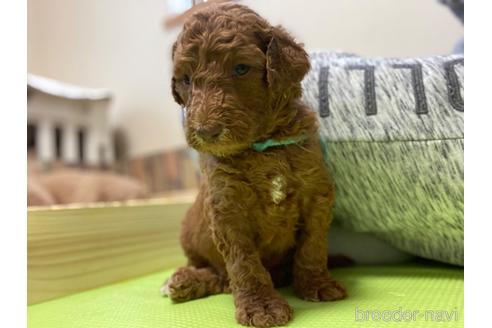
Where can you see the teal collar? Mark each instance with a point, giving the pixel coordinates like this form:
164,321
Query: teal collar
264,145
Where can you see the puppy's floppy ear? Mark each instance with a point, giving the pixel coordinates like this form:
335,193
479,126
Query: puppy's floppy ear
176,95
287,62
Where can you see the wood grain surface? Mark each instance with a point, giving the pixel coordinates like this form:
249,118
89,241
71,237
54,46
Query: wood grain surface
79,247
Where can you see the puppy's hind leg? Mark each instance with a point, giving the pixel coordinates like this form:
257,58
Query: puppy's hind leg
189,283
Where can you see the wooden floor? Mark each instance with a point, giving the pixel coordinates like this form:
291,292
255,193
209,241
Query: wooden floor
82,246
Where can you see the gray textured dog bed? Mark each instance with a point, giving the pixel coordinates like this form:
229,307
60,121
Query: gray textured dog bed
394,129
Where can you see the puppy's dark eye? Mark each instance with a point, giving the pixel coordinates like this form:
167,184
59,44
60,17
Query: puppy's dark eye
186,80
241,69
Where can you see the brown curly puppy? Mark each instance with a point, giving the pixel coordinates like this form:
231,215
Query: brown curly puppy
264,208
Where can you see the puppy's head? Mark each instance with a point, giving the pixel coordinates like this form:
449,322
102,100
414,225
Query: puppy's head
234,74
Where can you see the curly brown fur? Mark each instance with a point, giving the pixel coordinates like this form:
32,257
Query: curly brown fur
261,218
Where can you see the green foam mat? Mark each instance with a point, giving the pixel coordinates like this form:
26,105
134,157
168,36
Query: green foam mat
379,296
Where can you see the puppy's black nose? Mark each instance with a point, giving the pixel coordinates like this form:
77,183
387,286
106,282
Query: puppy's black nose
209,133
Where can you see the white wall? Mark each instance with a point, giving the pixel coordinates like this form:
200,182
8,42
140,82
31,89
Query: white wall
114,44
120,45
373,28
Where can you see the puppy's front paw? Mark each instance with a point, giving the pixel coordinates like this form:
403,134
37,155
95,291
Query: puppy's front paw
181,286
267,309
319,288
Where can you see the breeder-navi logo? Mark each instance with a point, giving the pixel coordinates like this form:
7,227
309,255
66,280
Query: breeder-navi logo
405,315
